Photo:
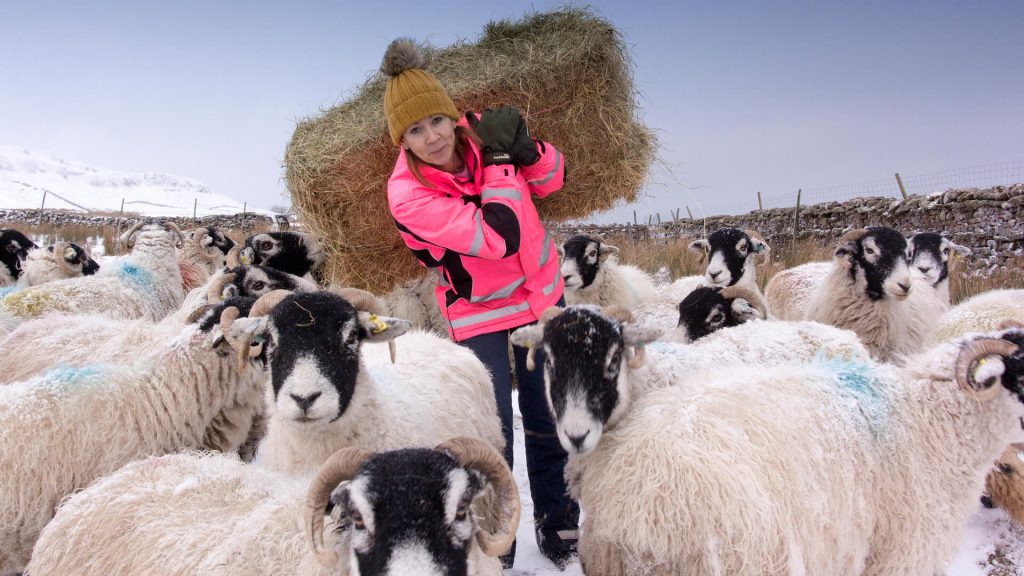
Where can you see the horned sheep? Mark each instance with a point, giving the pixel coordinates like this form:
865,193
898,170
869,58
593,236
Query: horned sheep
330,391
866,291
145,284
903,453
14,248
297,253
68,426
411,511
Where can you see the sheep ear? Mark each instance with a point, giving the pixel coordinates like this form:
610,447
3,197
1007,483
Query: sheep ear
699,246
70,254
759,247
607,251
382,328
639,336
743,311
527,336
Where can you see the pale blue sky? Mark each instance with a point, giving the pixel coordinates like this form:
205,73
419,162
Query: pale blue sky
745,96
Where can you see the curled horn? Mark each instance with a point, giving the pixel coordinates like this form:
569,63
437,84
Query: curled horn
196,314
531,353
975,354
624,316
480,456
127,236
367,302
59,255
341,466
733,292
853,235
177,232
242,347
233,258
619,313
200,234
215,290
264,304
1010,324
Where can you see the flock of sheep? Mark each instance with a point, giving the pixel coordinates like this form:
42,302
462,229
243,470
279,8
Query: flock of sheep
202,407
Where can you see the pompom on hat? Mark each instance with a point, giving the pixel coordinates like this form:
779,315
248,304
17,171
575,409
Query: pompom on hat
412,93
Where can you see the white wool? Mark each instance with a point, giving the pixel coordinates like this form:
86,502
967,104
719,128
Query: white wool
145,284
925,306
615,285
437,390
831,467
42,266
788,293
981,313
71,425
881,325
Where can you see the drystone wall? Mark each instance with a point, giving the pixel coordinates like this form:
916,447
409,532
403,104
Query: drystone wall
989,221
14,218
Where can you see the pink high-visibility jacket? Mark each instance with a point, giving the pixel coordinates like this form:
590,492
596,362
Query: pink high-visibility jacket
497,266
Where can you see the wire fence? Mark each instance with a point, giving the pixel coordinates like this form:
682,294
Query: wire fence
981,176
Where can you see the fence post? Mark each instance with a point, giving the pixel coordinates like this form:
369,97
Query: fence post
244,206
634,218
649,220
39,219
195,205
796,214
659,218
760,208
899,183
688,213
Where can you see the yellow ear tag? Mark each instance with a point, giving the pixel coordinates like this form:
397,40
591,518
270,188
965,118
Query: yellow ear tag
378,324
244,260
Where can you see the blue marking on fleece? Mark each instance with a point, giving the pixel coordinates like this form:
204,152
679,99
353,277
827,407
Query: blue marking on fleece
858,380
63,375
6,290
135,276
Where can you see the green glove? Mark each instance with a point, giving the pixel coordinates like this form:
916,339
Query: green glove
497,131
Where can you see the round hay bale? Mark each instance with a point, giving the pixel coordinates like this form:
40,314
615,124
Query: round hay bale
567,71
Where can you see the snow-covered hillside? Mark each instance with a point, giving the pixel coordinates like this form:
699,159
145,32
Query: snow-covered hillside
26,174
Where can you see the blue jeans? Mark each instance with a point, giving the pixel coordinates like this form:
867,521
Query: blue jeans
545,458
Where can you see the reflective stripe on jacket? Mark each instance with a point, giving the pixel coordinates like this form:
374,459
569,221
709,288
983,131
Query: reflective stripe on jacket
497,265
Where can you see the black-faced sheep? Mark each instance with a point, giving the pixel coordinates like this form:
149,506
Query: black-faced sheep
827,467
61,260
330,389
145,284
411,511
14,247
593,276
708,309
297,253
732,256
929,257
866,291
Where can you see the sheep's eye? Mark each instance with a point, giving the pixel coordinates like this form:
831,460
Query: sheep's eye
945,250
461,513
266,245
258,285
357,520
869,251
718,317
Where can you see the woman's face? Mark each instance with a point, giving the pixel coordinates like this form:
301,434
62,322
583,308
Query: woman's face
432,140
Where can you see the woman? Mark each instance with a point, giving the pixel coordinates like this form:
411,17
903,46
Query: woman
460,194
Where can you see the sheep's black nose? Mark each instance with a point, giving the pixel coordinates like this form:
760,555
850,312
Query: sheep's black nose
714,275
904,287
577,441
304,402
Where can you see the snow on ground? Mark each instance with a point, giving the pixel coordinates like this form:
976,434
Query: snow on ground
25,175
992,545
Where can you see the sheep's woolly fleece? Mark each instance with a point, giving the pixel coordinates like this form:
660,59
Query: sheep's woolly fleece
240,520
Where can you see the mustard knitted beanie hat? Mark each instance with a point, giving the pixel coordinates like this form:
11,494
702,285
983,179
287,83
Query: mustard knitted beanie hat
412,93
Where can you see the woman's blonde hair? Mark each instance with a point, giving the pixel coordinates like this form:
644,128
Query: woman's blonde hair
462,137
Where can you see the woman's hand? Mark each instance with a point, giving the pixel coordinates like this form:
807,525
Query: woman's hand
497,129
